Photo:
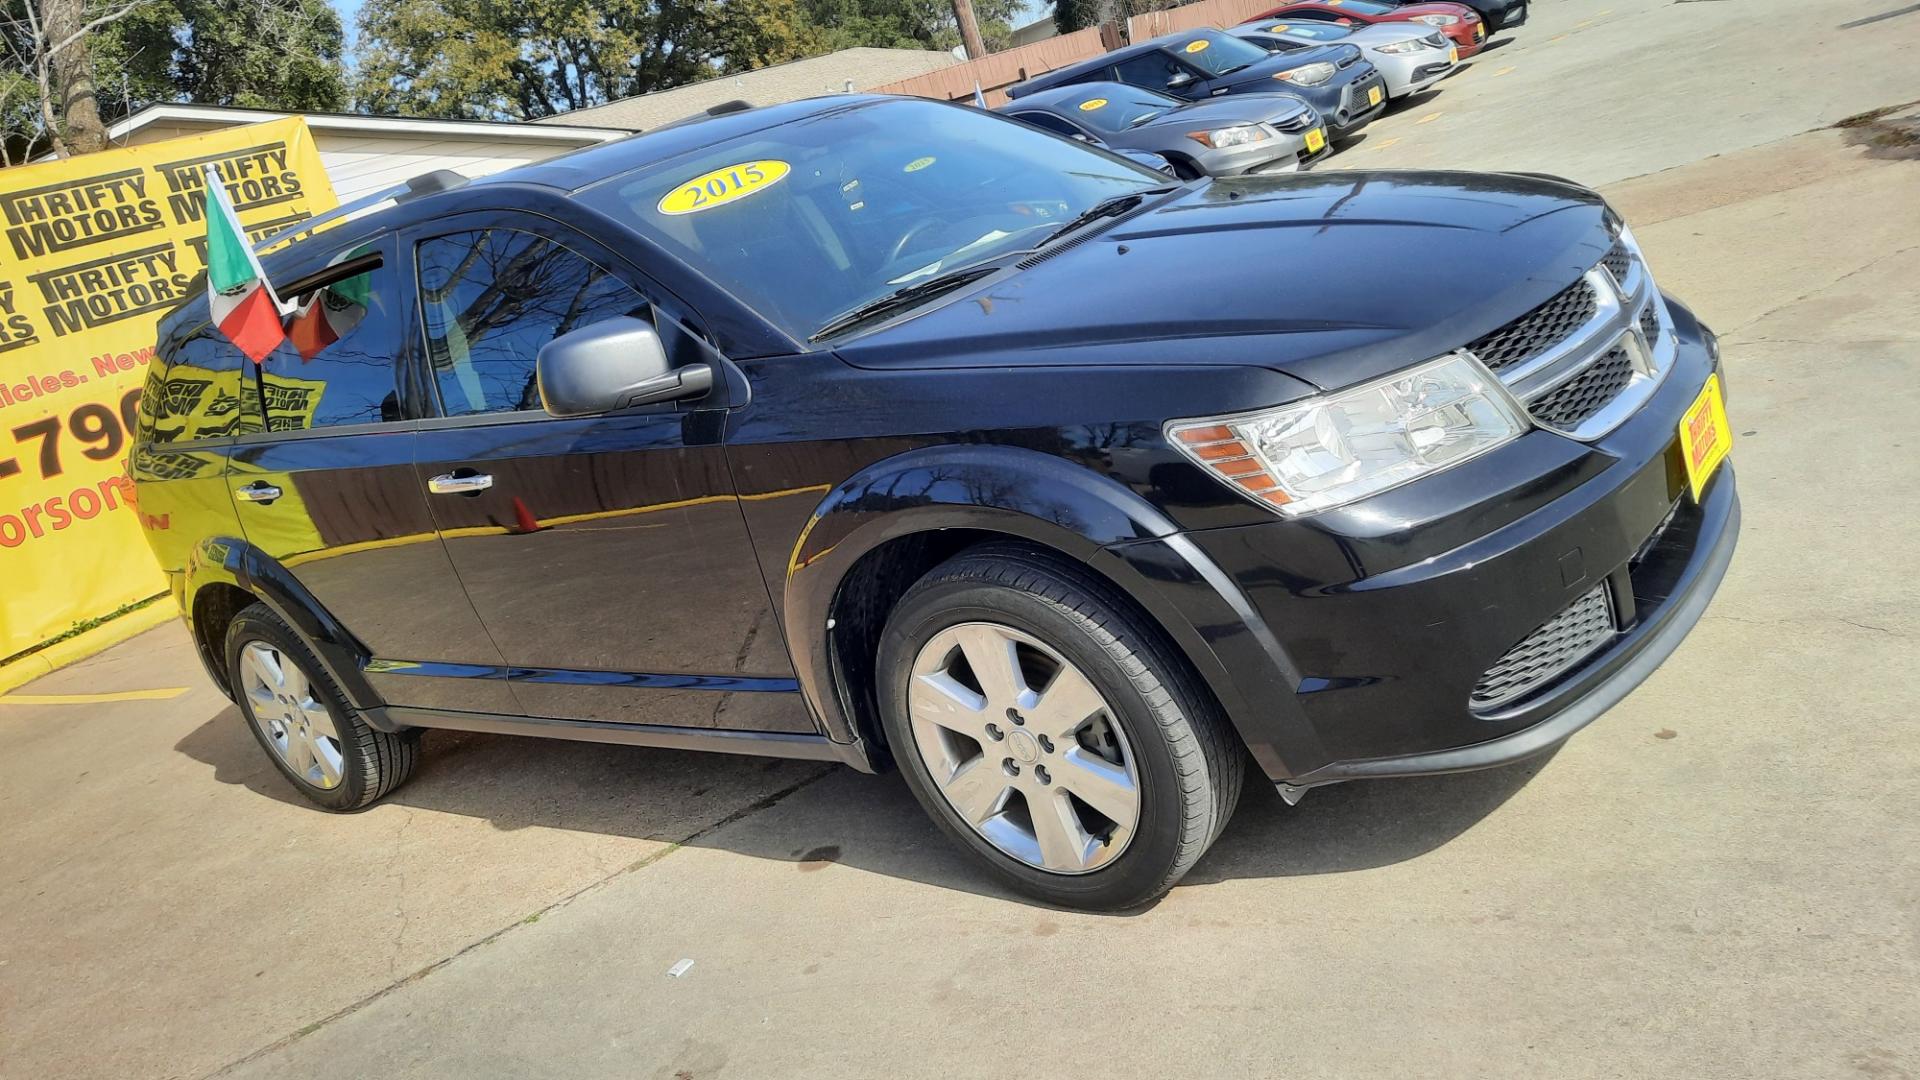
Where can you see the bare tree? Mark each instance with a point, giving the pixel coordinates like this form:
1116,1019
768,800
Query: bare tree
47,42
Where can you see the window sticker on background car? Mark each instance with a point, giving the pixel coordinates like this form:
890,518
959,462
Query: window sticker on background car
1198,45
919,163
1277,28
1091,104
722,186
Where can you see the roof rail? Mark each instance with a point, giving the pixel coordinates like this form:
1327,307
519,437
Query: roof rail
427,184
722,109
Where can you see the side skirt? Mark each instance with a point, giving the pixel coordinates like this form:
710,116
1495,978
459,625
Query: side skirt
761,743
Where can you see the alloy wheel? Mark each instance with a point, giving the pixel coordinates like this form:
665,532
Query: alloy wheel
1023,748
294,722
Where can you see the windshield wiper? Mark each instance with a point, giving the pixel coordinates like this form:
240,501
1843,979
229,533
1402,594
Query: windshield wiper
903,298
1107,207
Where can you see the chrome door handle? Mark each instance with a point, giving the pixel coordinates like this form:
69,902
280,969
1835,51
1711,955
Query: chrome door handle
450,484
257,492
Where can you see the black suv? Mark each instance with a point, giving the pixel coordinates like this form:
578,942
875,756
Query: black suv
881,430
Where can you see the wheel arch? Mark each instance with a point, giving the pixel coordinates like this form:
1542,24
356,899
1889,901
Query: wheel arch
226,574
877,533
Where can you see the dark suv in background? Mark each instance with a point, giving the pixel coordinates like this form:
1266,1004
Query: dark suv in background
881,430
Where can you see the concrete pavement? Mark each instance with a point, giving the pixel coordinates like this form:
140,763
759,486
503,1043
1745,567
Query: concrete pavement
1719,878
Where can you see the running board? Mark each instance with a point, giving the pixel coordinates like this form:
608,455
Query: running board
761,743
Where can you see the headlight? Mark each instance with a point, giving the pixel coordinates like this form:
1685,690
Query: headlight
1225,137
1396,48
1437,20
1335,448
1308,74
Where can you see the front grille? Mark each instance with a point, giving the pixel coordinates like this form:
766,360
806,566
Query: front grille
1568,405
1559,643
1616,260
1538,330
1300,121
1649,322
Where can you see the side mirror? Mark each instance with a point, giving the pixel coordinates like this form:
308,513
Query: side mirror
1180,80
615,364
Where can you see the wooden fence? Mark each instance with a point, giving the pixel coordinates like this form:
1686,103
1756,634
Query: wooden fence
1193,16
993,74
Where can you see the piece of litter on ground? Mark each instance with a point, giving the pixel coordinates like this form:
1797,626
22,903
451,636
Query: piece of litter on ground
680,968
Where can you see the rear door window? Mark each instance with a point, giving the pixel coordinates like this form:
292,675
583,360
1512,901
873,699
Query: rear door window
337,367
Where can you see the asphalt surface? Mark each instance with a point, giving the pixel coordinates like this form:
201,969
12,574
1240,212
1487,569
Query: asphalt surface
1720,878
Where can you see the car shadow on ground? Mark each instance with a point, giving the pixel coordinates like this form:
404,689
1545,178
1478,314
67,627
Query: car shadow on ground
809,814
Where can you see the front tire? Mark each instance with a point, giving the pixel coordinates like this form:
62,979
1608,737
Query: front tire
302,720
1052,731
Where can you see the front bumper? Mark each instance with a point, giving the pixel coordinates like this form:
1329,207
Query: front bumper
1354,640
1409,73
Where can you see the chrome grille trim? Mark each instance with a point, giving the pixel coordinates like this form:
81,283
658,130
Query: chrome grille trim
1624,300
1555,647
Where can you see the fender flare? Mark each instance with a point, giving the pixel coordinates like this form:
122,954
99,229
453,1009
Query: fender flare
1074,511
232,561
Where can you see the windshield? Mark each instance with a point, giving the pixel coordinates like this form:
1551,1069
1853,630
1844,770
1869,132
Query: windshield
806,220
1111,107
1318,32
1363,7
1217,53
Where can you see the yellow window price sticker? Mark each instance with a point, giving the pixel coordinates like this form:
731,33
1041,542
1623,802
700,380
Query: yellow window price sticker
722,186
1198,45
1092,104
919,163
1279,28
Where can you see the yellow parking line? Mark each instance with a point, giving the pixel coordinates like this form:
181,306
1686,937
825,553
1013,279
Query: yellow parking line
1583,24
1501,72
1383,145
93,699
1428,119
1606,11
1551,40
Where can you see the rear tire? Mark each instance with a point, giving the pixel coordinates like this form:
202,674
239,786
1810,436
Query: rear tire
1101,720
302,720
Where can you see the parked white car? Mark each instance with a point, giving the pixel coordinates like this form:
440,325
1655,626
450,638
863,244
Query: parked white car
1411,56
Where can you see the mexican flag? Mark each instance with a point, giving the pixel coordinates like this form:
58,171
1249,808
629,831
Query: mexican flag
239,298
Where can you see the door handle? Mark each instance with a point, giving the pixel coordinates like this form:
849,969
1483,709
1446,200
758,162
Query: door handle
257,492
464,482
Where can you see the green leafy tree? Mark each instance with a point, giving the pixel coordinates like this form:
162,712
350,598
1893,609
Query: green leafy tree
905,24
525,59
257,54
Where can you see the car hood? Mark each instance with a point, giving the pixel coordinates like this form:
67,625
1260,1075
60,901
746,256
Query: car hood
1332,278
1233,109
1379,34
1330,53
1408,11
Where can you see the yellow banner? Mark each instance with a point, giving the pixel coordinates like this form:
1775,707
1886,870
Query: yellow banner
96,249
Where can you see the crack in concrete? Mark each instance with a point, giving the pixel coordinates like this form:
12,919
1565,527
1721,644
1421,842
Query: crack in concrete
742,812
1817,290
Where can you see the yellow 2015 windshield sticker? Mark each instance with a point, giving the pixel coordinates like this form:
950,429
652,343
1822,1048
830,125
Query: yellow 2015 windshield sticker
1198,45
722,186
1279,28
919,163
1093,103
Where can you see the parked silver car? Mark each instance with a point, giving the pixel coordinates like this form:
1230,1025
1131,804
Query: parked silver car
1228,136
1411,56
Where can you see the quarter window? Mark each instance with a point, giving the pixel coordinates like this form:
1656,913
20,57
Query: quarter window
491,298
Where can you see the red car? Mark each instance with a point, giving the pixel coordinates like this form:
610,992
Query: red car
1460,23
